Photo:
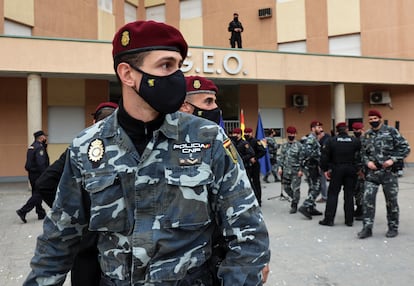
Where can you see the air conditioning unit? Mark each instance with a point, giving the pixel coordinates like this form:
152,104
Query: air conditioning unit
379,97
299,100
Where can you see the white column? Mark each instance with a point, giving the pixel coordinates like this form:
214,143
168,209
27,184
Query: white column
34,105
339,102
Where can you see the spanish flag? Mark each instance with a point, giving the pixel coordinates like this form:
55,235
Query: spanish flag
242,126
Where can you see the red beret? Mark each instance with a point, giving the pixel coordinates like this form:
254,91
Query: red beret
315,123
374,112
105,104
291,130
197,84
237,131
357,125
341,125
248,130
142,36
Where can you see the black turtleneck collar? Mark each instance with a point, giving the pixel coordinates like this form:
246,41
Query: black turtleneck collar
140,132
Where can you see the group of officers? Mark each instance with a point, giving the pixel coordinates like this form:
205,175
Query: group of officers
358,163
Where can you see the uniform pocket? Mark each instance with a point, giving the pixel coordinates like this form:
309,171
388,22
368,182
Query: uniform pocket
109,193
187,187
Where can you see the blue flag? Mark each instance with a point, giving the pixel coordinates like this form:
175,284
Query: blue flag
265,165
221,123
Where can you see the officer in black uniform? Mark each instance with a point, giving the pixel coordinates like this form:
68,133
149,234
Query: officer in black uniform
36,162
339,163
235,28
259,152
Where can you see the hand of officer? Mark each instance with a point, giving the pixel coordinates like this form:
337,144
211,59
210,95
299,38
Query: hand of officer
388,163
265,273
371,165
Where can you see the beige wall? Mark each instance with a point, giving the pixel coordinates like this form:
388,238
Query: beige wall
291,21
316,28
343,17
20,11
192,30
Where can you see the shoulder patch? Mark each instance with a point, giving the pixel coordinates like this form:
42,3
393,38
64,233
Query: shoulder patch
230,150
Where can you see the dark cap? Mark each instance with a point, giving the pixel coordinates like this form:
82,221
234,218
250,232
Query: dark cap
142,36
291,130
357,125
197,84
374,112
39,133
107,104
315,123
248,130
237,131
341,125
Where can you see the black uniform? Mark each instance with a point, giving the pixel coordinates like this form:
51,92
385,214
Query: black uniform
36,163
235,36
254,174
340,156
246,152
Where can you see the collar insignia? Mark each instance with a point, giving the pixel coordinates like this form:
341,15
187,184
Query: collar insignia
96,150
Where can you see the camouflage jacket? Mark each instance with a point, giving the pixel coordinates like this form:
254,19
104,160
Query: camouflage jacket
152,212
311,150
383,144
290,158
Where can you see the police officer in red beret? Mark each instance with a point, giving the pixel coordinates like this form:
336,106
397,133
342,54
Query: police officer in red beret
358,130
143,178
382,147
339,162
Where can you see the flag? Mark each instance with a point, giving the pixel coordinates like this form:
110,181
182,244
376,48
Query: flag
265,166
242,126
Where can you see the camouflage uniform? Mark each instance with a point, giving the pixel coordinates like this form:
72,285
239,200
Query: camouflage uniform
379,146
152,212
290,162
272,147
311,156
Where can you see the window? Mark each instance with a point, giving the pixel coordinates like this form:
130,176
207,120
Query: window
156,13
349,45
105,5
293,47
191,9
13,28
65,122
130,12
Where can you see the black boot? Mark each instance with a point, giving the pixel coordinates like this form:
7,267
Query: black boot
293,208
314,211
22,215
391,232
326,222
365,232
305,211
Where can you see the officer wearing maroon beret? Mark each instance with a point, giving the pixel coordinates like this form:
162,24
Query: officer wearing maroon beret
201,98
259,152
150,181
290,167
383,148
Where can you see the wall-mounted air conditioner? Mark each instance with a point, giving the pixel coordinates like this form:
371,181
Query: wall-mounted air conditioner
379,97
299,100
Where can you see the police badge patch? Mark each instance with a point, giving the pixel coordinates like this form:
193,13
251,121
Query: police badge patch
96,150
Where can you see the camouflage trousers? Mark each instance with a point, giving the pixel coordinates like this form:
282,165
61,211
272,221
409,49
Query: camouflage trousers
389,182
359,191
314,182
291,185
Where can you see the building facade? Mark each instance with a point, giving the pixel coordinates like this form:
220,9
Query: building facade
330,60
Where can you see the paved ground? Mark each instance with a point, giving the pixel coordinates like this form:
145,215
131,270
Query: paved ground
303,252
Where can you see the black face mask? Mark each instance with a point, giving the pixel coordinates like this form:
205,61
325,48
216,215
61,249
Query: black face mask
236,19
291,138
357,134
212,114
247,137
165,94
375,124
